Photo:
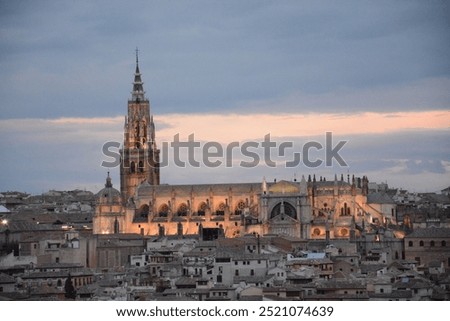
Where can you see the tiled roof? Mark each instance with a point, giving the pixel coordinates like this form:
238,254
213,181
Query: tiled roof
198,189
45,275
396,294
252,279
5,278
431,232
340,284
379,198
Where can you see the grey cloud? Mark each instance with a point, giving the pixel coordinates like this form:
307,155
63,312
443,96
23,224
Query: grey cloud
67,153
213,56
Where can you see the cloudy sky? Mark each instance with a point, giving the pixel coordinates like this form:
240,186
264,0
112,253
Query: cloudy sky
374,73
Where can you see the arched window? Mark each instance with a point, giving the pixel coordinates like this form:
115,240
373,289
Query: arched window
443,243
432,243
410,243
182,210
163,210
133,167
285,207
142,212
345,210
141,166
421,243
239,208
202,209
221,209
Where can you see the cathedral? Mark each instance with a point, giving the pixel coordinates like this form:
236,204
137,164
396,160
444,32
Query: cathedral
308,209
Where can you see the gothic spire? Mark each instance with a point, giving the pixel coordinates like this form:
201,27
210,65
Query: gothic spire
138,89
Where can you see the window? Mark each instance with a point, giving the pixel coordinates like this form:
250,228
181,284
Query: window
252,272
432,243
202,209
182,210
421,243
221,209
163,210
410,243
443,243
236,272
239,208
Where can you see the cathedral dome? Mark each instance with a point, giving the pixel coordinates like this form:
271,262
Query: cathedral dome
108,195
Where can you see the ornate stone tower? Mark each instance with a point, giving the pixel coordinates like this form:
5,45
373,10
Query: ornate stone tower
139,153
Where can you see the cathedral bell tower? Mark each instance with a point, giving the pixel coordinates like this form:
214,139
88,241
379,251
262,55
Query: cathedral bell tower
139,153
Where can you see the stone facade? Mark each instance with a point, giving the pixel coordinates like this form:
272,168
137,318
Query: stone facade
308,209
428,246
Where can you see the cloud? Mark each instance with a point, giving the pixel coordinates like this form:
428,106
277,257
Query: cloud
40,154
425,94
76,59
238,127
375,73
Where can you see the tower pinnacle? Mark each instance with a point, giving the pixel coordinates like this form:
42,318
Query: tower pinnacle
137,56
138,89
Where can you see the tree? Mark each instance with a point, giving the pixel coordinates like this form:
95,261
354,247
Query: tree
71,293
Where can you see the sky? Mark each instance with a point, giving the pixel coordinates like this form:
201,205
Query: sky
376,74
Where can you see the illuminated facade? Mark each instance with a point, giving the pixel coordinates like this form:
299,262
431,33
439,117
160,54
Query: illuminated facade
309,208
